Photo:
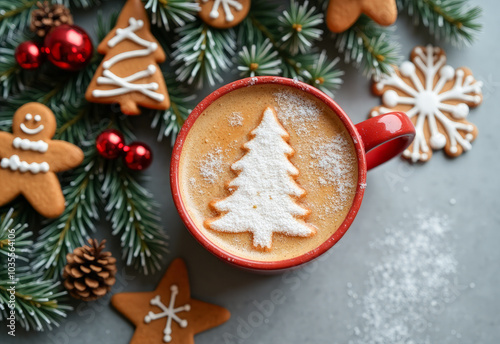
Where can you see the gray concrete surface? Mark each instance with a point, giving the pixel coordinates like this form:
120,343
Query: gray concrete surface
325,302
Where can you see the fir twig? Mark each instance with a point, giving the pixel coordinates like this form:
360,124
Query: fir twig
369,46
71,229
299,27
170,13
134,217
12,76
451,20
169,122
259,59
14,14
201,53
40,303
260,26
14,234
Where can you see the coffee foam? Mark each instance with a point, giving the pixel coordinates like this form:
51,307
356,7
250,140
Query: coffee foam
325,157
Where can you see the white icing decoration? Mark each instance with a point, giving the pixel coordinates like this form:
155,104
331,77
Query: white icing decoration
33,131
38,118
35,146
264,197
14,163
429,102
226,6
125,85
168,312
28,117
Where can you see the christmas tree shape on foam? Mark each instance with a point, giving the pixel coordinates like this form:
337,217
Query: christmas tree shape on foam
129,73
265,194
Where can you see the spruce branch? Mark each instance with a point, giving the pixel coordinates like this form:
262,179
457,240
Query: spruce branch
62,235
14,14
12,76
299,27
170,121
259,59
201,53
40,303
170,13
14,234
451,20
134,217
369,46
313,67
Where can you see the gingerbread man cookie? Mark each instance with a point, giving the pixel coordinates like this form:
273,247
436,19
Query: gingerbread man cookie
29,160
341,14
169,314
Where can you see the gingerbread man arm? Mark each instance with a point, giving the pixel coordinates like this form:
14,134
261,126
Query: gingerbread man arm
5,144
63,156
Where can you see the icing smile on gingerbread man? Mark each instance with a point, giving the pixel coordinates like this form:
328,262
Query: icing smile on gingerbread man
30,159
32,131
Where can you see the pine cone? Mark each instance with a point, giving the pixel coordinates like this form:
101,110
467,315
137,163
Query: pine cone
47,16
90,272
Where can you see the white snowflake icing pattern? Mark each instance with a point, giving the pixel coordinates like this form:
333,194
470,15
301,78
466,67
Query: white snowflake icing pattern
168,312
429,102
226,6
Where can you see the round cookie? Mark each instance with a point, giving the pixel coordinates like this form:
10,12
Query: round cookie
223,14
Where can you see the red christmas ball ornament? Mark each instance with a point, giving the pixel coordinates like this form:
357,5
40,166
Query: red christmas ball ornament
110,144
138,156
68,47
28,55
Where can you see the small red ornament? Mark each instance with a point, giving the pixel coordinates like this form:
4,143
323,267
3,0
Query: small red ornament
110,144
68,47
138,156
28,55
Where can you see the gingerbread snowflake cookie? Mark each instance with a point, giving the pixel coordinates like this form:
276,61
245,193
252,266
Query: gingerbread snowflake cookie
30,159
169,314
264,198
342,14
129,73
223,14
437,97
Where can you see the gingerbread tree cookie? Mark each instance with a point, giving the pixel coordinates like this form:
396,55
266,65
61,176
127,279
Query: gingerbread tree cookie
264,194
437,98
129,73
29,160
341,14
169,314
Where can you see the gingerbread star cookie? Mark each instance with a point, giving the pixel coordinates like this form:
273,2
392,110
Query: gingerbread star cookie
223,14
341,14
169,314
30,159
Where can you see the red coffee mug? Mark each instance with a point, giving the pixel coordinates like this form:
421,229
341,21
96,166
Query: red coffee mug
376,140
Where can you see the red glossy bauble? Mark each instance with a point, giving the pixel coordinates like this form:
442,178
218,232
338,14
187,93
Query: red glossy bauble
29,55
68,47
138,156
110,144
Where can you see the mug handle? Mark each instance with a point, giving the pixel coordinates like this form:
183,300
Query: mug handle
385,136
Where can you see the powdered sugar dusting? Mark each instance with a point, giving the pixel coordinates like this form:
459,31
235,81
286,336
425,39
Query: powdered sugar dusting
235,119
211,165
410,285
335,165
297,111
263,199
